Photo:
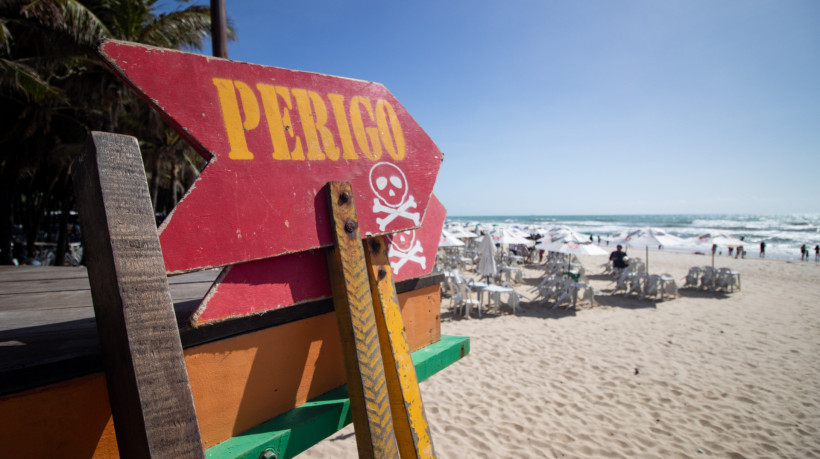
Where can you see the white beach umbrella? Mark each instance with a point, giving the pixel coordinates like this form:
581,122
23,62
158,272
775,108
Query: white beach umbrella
649,237
507,237
537,230
462,233
486,253
565,233
719,239
705,242
448,240
572,248
580,249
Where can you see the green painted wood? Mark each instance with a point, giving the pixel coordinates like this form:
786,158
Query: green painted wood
297,430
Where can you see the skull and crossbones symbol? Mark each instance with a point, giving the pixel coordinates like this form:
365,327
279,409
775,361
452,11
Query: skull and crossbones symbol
406,248
389,184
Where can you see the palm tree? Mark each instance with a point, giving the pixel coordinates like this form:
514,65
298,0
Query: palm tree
54,90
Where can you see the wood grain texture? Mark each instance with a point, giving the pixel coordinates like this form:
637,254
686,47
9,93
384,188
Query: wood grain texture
409,421
369,402
147,382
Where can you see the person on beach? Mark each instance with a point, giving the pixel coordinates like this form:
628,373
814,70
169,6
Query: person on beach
618,259
804,254
816,252
762,249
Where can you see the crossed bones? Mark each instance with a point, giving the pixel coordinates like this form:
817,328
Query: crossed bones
392,213
410,255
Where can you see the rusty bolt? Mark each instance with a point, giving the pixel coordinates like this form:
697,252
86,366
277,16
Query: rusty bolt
375,246
350,226
267,454
344,198
382,273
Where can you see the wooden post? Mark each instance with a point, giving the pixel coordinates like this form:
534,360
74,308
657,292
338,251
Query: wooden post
219,29
412,432
369,402
145,371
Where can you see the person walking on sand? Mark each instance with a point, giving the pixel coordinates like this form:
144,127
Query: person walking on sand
618,259
762,249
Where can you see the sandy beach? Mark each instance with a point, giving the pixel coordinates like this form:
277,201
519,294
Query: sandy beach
706,374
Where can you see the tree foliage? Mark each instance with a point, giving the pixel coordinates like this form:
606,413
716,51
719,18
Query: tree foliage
54,90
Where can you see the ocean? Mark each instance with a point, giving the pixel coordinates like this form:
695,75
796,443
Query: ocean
783,234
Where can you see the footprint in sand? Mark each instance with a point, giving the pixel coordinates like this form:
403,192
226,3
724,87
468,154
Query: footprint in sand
746,400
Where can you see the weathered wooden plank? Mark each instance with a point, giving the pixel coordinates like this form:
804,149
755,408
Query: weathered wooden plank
33,273
60,298
148,386
358,333
409,421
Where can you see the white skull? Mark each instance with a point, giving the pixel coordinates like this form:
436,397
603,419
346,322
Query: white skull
404,241
389,183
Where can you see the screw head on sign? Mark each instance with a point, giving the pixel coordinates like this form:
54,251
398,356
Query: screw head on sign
344,198
375,246
382,273
350,226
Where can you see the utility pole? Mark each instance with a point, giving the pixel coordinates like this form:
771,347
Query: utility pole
219,29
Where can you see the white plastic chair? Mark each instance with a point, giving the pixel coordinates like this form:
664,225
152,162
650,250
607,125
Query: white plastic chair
512,296
462,300
670,287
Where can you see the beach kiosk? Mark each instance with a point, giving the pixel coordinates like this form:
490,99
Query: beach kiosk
289,293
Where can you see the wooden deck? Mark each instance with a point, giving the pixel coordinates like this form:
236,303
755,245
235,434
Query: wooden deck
48,332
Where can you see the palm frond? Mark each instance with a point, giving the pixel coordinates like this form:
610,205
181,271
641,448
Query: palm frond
24,81
69,17
82,24
184,28
5,38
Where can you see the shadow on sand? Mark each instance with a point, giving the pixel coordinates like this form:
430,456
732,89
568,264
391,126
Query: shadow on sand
623,301
696,293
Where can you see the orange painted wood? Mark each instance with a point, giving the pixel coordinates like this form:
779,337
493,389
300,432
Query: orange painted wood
273,138
237,383
421,314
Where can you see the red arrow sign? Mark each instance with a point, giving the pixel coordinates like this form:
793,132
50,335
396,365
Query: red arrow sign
274,137
256,286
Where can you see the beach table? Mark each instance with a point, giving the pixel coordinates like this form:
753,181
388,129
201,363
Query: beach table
494,296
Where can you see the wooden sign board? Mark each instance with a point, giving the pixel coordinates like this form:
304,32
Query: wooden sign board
262,285
273,138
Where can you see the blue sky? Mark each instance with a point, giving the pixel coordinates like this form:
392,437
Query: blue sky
580,107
